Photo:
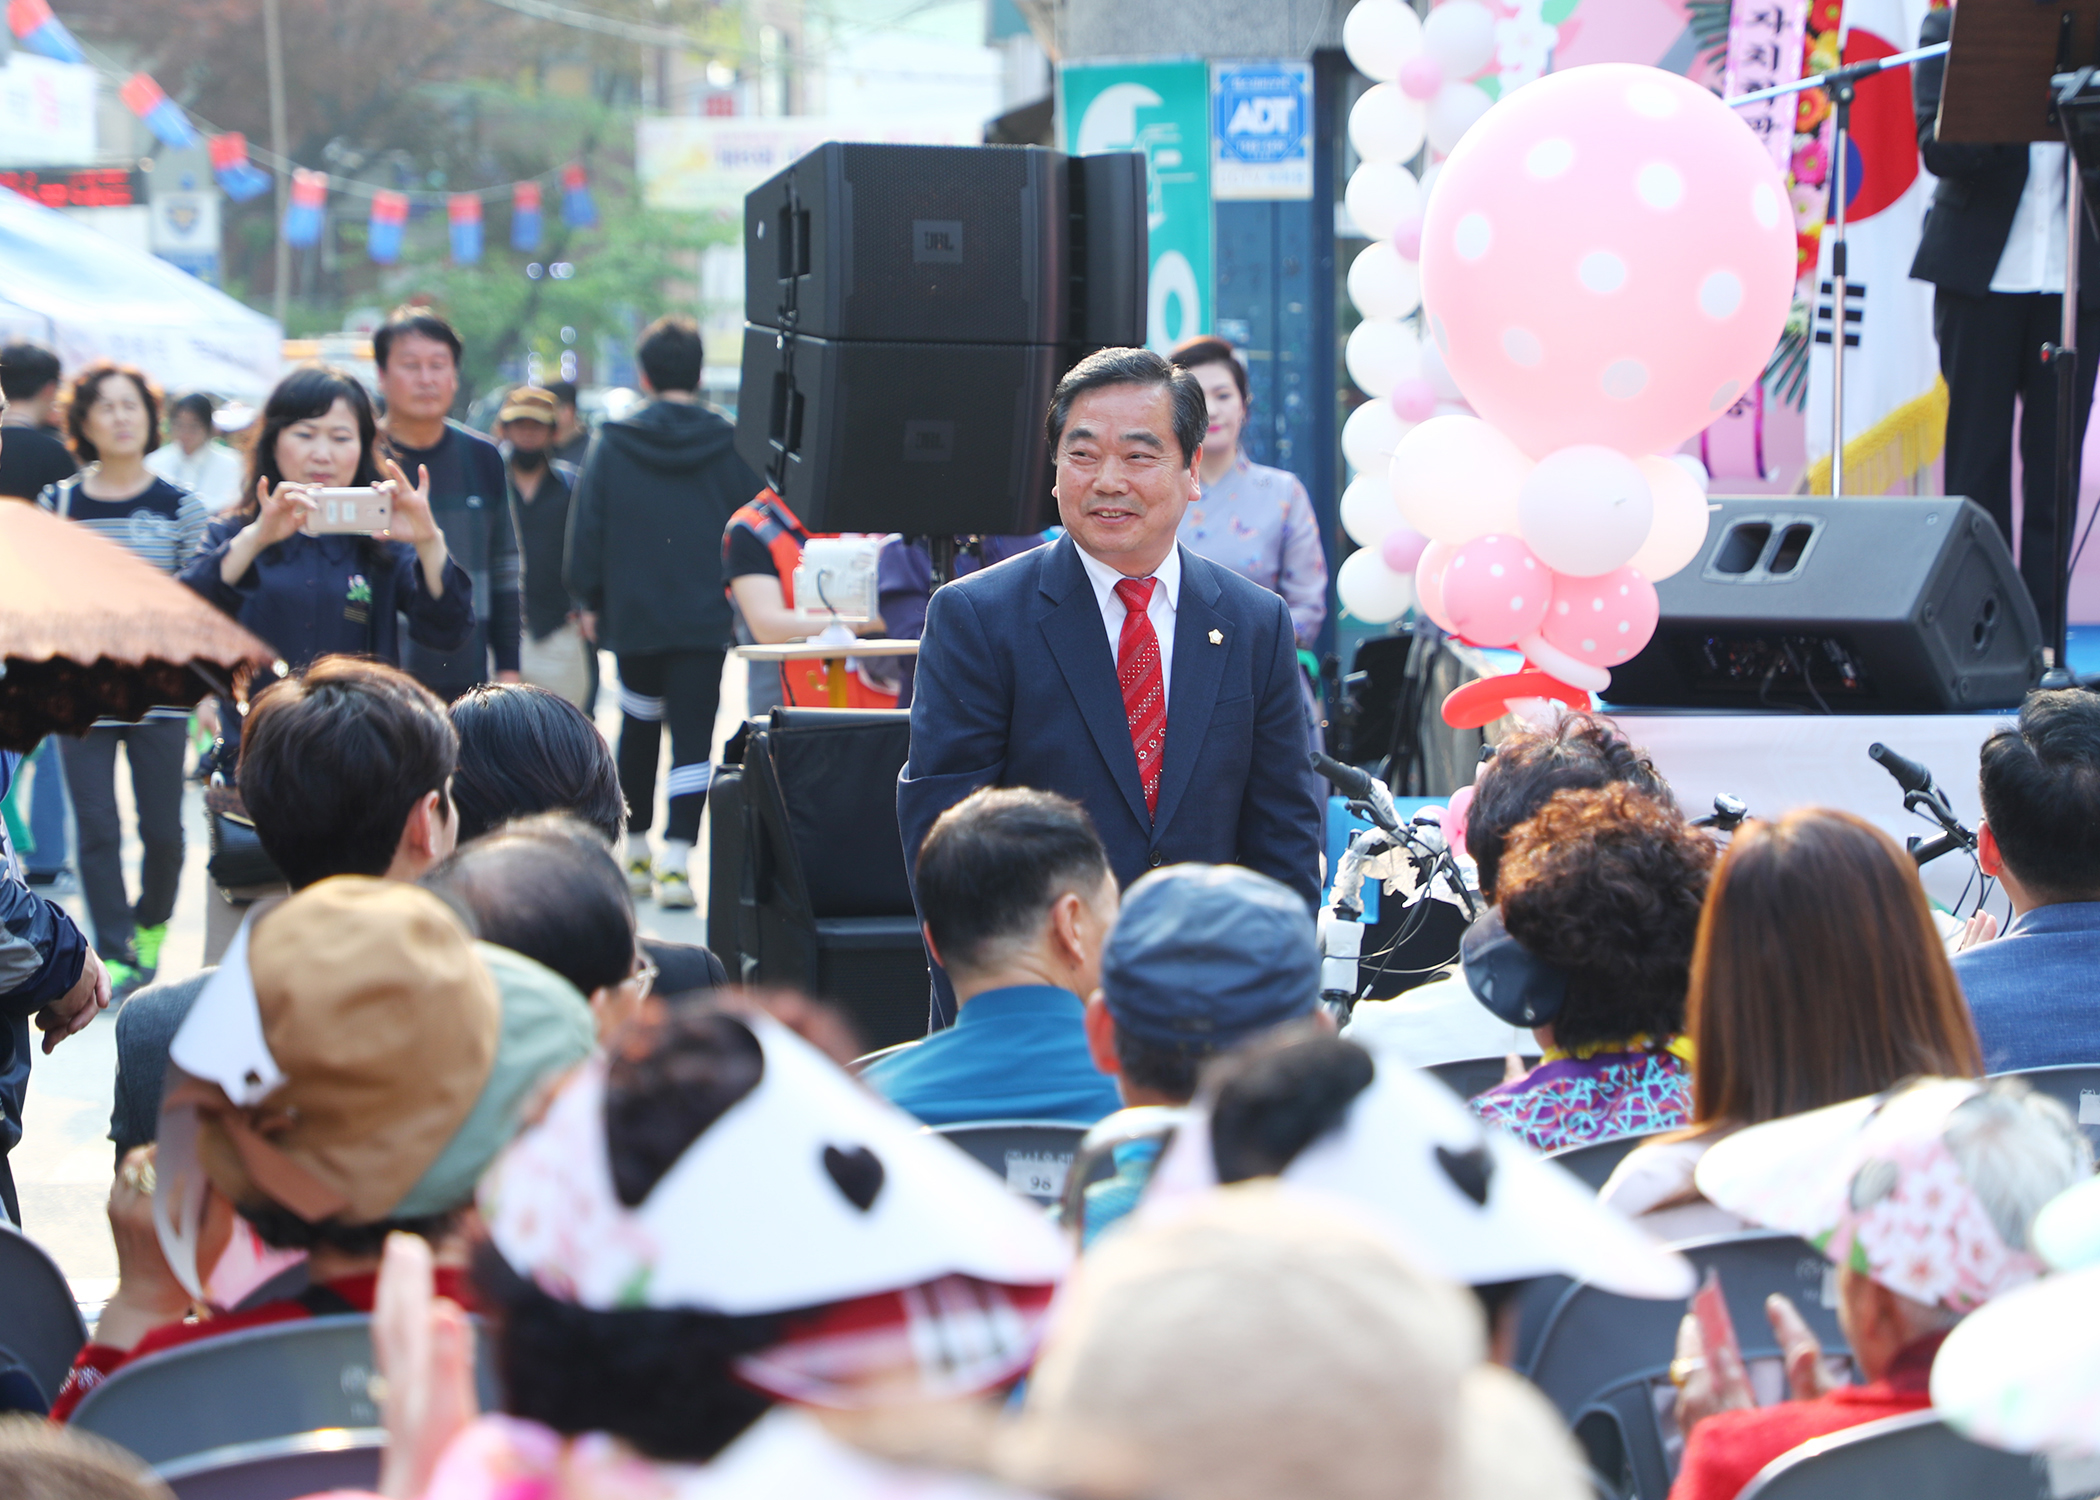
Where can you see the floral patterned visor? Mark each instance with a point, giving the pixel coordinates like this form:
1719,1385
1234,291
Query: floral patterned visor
1872,1184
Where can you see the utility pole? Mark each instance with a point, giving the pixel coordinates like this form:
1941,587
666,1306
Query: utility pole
273,45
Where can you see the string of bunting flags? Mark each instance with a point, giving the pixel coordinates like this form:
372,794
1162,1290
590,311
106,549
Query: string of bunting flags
37,30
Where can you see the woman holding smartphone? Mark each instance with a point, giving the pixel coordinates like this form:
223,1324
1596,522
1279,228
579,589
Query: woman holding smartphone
315,595
312,595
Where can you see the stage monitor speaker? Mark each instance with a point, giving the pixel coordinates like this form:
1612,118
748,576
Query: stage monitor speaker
1876,605
949,244
926,439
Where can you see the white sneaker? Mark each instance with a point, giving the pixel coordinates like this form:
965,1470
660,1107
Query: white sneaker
674,891
640,878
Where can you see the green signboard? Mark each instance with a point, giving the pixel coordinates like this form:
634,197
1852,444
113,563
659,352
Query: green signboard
1163,110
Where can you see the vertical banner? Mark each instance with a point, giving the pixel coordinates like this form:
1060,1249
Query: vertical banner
578,209
463,210
1163,110
1764,49
1261,131
388,225
525,216
303,215
239,178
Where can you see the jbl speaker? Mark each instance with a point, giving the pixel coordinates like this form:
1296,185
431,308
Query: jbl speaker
949,244
926,439
1888,604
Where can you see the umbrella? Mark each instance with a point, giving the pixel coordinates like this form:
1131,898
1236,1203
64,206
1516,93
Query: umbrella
88,631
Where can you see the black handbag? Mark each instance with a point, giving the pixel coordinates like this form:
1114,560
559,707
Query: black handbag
238,860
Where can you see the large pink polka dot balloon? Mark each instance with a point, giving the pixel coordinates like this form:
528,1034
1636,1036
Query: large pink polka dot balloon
1495,591
1607,257
1602,621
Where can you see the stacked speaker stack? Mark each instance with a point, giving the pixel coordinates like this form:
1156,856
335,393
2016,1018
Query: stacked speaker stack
908,312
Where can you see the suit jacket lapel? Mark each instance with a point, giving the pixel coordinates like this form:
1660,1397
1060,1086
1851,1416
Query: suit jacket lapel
1073,630
1199,666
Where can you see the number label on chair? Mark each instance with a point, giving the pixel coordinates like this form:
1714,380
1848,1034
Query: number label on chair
2089,1106
1037,1174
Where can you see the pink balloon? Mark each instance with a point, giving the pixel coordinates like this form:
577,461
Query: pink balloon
1495,591
1608,257
1402,548
1407,237
1420,77
1602,621
1429,582
1456,812
1414,399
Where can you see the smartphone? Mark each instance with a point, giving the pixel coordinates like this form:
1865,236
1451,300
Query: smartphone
350,512
1716,1327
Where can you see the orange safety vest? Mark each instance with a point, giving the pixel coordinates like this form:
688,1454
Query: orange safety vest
803,684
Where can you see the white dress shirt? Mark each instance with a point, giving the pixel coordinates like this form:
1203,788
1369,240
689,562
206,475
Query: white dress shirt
2033,260
1161,611
213,473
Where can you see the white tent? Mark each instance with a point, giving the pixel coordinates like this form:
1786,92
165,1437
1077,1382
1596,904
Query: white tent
90,298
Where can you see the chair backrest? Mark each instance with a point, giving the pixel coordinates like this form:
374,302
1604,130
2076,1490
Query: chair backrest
1602,1358
827,803
2076,1086
868,1060
248,1386
1912,1457
310,1463
1032,1157
40,1326
1473,1075
1594,1161
1095,1157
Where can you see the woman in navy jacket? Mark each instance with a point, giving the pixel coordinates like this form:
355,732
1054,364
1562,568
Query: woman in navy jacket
312,596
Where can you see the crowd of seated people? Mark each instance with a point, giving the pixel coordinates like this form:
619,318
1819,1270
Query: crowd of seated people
445,1081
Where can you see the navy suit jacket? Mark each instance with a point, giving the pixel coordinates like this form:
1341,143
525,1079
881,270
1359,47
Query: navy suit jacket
1017,687
2033,990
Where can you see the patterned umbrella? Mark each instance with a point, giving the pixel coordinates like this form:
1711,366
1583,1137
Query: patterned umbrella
88,631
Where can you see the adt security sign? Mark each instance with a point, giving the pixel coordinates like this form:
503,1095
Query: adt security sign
1260,130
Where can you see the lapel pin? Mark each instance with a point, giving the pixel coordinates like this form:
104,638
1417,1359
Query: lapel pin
1217,637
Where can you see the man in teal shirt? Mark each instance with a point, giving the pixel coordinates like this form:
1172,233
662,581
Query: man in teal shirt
1018,899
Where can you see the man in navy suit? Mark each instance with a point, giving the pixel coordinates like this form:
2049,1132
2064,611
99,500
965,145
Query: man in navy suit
1116,667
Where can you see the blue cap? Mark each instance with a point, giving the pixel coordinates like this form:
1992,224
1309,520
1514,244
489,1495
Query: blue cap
1204,956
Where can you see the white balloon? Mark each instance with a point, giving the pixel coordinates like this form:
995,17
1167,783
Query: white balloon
1381,36
1381,194
1380,354
1691,465
1585,510
1678,534
1456,478
1453,112
1382,285
1368,512
1460,35
1369,437
1386,125
1370,590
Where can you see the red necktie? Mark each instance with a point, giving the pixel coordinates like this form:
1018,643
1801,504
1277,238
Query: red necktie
1144,683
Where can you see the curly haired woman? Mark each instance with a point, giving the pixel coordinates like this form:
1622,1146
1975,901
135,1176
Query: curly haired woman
1603,887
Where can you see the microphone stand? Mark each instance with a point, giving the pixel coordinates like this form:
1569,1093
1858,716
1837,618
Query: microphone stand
1841,84
2075,100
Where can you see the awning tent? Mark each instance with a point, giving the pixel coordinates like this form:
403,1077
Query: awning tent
91,298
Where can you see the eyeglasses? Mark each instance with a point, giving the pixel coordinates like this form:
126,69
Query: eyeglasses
643,978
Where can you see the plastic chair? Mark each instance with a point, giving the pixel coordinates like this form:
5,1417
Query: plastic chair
1475,1075
1604,1360
282,1468
1594,1161
1912,1457
249,1386
1033,1157
868,1060
1096,1154
40,1326
2076,1086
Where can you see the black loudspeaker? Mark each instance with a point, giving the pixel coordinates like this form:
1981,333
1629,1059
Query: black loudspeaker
949,244
926,439
1888,604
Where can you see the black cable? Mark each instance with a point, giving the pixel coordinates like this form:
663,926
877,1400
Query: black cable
1806,681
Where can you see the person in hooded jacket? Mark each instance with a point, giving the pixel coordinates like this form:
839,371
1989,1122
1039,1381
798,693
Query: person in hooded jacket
644,558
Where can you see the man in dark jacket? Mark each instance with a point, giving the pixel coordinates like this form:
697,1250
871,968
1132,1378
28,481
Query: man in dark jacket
645,560
47,970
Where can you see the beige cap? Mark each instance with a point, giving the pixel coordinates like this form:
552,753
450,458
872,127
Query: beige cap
381,1021
1267,1342
528,403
